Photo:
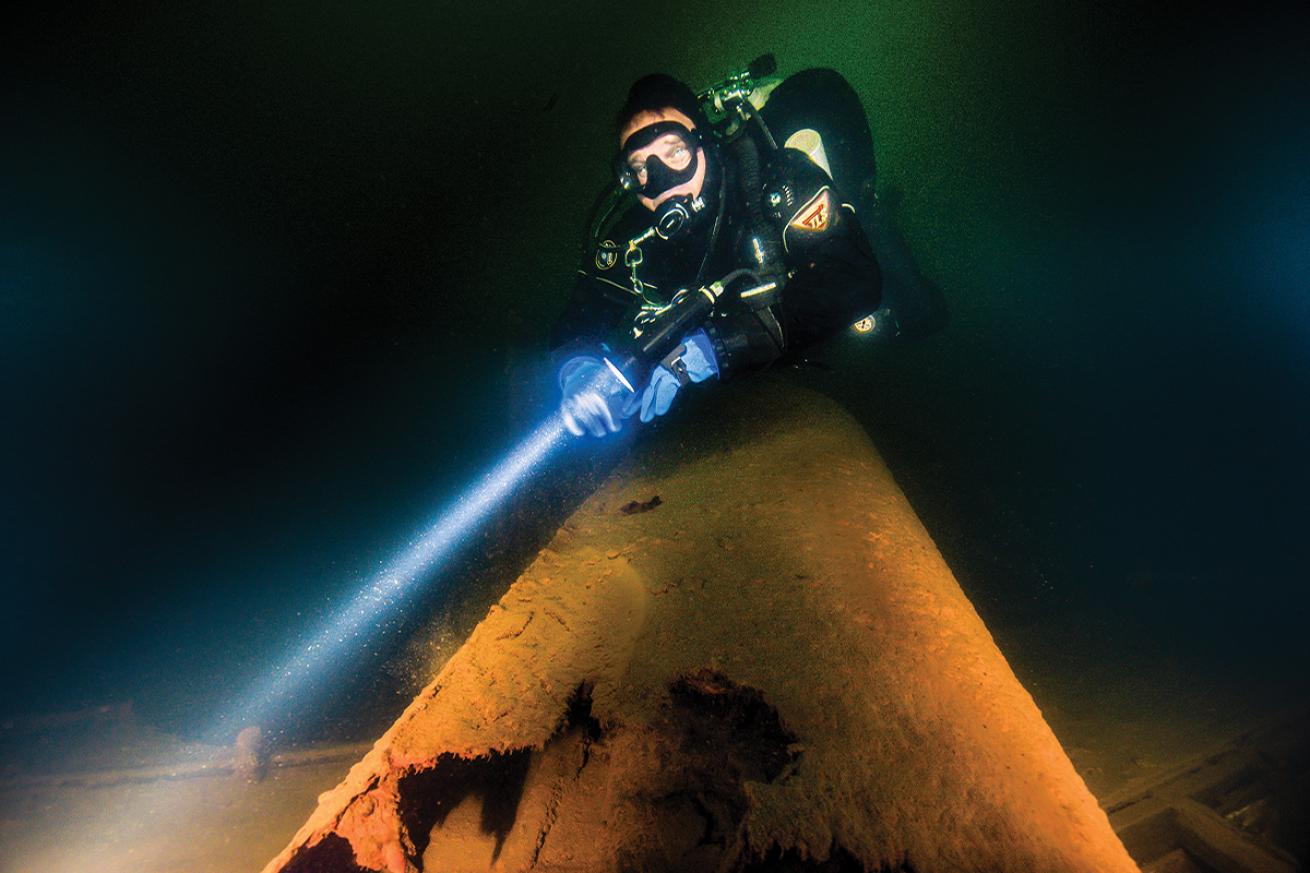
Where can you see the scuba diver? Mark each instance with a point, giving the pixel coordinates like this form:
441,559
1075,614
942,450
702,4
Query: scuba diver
737,253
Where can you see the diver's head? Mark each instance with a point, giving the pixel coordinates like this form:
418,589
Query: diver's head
661,153
661,156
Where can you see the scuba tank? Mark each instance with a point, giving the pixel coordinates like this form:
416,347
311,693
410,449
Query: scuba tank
817,112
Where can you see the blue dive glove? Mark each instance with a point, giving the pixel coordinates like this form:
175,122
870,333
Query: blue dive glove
594,400
692,361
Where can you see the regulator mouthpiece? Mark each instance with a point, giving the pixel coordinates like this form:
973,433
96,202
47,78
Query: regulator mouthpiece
675,215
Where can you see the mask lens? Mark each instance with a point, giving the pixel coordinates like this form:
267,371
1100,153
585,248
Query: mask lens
673,151
658,157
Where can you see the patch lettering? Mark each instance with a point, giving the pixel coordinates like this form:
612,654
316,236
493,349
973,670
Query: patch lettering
814,216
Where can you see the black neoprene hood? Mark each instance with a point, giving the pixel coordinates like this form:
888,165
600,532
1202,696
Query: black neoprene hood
661,91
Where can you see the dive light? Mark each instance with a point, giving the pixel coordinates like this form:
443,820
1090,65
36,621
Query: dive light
636,354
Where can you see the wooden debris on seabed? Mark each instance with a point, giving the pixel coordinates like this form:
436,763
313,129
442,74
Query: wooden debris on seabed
1224,812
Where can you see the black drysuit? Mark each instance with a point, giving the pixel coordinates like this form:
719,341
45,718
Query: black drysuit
832,280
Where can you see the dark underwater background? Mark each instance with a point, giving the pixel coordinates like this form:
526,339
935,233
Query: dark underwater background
276,281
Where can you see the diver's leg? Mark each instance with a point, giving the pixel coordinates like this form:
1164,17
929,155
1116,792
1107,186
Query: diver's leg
913,304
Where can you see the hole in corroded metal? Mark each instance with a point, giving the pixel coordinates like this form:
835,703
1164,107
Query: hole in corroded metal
736,722
717,736
427,797
498,779
332,854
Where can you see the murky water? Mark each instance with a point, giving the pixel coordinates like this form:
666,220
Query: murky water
276,285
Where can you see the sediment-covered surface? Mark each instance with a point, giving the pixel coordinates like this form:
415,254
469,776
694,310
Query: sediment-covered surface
772,668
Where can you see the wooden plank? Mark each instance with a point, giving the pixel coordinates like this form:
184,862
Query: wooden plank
1217,842
1152,833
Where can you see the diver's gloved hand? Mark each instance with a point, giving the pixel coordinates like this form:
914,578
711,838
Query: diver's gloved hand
594,400
692,361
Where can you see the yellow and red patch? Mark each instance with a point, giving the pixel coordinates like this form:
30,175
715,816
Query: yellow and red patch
814,215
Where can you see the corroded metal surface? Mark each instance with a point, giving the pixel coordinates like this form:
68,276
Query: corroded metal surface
773,663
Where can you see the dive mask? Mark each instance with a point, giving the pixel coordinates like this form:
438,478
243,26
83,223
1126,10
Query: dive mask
667,158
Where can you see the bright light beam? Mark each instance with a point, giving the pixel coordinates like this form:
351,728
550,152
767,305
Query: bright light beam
352,625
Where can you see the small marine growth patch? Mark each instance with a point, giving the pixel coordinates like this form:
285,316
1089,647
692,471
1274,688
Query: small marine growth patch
632,507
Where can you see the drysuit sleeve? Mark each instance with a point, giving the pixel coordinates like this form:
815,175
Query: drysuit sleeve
833,277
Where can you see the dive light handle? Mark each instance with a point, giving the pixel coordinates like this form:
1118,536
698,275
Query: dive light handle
637,354
634,357
664,334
